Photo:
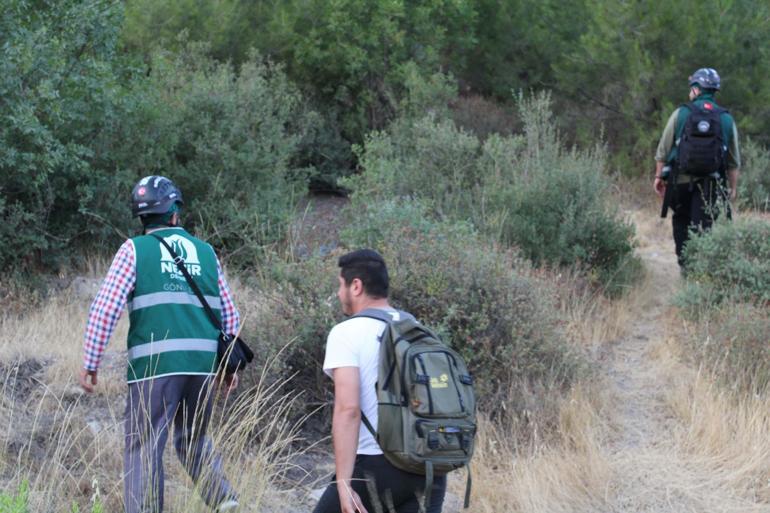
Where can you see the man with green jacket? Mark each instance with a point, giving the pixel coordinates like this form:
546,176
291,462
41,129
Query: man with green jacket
172,349
697,160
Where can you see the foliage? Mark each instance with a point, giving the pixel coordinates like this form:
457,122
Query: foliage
59,87
754,181
729,262
482,299
349,55
15,503
83,124
622,65
518,42
629,67
231,139
524,190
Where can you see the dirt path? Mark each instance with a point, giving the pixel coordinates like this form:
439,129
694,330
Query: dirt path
649,471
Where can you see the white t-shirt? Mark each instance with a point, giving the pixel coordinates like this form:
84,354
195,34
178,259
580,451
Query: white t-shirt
356,343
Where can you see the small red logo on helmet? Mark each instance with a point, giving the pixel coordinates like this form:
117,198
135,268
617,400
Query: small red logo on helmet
141,191
708,106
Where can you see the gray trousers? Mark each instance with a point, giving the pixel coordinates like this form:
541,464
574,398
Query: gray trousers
152,407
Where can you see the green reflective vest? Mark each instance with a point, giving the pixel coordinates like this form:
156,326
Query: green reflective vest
169,331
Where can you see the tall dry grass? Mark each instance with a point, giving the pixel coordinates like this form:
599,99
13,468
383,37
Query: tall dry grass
727,432
566,473
68,446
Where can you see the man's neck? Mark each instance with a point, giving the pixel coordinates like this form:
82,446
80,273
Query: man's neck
156,228
372,303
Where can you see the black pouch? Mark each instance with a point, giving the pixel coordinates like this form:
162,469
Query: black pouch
234,354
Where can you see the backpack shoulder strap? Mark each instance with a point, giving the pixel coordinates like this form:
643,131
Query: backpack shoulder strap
684,112
382,315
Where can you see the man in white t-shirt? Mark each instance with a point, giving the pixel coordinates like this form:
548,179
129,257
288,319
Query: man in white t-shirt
364,478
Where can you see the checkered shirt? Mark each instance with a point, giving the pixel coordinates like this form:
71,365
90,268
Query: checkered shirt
108,305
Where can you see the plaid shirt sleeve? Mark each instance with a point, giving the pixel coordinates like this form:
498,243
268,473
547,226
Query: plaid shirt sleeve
108,305
231,319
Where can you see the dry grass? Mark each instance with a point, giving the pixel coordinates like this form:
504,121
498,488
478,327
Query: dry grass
69,446
567,474
728,433
713,453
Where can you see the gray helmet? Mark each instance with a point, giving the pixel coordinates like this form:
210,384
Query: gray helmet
706,78
154,195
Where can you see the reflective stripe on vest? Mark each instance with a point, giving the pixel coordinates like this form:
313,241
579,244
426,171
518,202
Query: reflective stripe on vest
176,298
173,344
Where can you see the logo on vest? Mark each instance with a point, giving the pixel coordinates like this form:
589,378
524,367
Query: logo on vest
183,248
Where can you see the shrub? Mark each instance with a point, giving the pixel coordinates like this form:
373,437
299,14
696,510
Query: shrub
481,298
524,190
233,138
84,122
730,262
484,117
289,308
754,181
484,300
60,83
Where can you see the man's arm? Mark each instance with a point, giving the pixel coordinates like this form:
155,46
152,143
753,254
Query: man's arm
346,423
231,319
732,182
663,151
105,312
733,164
659,184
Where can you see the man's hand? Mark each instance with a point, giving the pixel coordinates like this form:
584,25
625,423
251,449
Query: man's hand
350,502
87,380
660,186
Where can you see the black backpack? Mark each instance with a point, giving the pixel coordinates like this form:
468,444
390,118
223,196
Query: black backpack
701,147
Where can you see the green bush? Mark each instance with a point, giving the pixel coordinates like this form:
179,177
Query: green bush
729,262
524,190
484,300
232,138
481,298
83,123
62,84
754,180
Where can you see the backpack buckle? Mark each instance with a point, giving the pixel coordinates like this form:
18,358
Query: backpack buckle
178,260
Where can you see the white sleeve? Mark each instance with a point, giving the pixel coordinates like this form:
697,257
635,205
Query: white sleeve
340,350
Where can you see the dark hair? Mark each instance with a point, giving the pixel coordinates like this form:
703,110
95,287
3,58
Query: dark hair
368,266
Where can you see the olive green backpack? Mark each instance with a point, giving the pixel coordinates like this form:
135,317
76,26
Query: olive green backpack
426,415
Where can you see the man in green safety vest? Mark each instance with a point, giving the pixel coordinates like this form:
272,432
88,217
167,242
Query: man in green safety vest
172,349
